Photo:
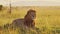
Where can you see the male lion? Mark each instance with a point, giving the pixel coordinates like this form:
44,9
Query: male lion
28,19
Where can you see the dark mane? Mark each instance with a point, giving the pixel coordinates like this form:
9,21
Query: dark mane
28,20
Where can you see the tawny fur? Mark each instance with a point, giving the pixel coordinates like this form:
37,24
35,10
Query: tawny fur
27,21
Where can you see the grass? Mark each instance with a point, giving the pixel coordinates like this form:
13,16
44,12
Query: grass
47,20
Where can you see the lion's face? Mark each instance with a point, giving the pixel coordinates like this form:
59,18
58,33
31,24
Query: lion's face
32,15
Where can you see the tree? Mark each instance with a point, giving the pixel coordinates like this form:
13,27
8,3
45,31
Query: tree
1,6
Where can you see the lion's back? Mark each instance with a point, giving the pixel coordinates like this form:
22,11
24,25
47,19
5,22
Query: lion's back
18,22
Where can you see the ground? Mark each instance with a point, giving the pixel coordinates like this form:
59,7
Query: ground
47,19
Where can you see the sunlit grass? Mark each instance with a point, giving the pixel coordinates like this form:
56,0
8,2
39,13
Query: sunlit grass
47,20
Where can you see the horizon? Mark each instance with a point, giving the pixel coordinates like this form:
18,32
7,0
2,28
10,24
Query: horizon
31,2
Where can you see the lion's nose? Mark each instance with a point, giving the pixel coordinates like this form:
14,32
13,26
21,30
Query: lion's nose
33,16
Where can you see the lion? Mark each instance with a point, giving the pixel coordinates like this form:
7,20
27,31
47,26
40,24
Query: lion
27,21
29,18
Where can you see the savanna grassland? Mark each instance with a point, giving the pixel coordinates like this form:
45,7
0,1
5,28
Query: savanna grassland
47,19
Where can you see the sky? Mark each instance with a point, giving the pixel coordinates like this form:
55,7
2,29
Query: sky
31,2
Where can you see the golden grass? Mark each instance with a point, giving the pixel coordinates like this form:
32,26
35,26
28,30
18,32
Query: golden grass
47,19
